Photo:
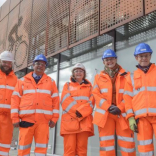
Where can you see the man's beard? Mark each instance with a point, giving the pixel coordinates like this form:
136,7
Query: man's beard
5,71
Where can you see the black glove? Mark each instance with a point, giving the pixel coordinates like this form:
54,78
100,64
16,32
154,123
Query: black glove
78,114
114,110
25,124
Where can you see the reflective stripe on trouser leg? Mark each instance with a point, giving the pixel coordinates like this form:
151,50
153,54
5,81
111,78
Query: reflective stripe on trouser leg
41,137
82,141
125,140
106,138
6,131
69,144
145,136
25,140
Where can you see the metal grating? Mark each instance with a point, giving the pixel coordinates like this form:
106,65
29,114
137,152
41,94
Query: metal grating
150,5
58,26
38,29
136,31
3,33
5,9
22,43
114,13
13,3
84,21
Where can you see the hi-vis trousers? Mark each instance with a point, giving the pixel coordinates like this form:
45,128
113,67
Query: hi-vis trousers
107,138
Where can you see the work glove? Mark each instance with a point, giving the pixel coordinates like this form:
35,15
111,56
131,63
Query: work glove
114,110
51,124
132,124
78,114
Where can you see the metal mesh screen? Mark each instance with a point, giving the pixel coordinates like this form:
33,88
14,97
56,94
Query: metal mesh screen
58,26
150,5
3,33
83,20
38,29
5,9
13,3
114,13
22,43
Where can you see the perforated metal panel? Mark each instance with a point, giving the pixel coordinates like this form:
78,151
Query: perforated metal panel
38,29
5,9
84,20
114,13
3,33
22,43
58,26
13,3
12,32
150,5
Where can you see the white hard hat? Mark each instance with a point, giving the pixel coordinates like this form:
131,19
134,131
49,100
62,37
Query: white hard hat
79,65
7,56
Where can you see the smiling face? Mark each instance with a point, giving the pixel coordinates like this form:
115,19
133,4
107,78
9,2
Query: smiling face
110,62
79,74
39,67
143,59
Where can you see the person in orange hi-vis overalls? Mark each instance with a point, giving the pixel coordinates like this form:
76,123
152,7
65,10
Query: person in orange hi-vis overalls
8,81
35,108
140,103
77,104
110,114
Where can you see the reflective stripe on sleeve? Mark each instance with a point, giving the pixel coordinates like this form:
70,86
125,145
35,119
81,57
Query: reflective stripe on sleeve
70,106
101,102
67,95
16,93
121,90
96,86
55,111
129,111
4,153
44,111
5,145
14,110
151,153
100,111
55,95
128,93
104,90
151,88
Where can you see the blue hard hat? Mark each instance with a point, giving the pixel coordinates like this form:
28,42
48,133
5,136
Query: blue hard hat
142,48
108,53
41,57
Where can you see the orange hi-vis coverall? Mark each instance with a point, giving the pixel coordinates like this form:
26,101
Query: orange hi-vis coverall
139,96
76,97
7,84
38,104
108,123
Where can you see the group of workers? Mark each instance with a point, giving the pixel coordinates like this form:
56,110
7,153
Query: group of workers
124,104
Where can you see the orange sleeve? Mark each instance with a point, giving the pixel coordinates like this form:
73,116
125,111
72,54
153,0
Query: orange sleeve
99,100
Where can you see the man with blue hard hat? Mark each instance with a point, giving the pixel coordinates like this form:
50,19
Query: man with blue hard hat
35,108
139,95
110,113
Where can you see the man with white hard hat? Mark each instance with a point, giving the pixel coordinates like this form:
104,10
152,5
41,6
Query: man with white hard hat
8,81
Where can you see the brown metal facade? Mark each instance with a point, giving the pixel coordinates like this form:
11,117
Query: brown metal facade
150,5
32,27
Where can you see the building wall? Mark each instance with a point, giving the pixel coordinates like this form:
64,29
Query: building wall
68,32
